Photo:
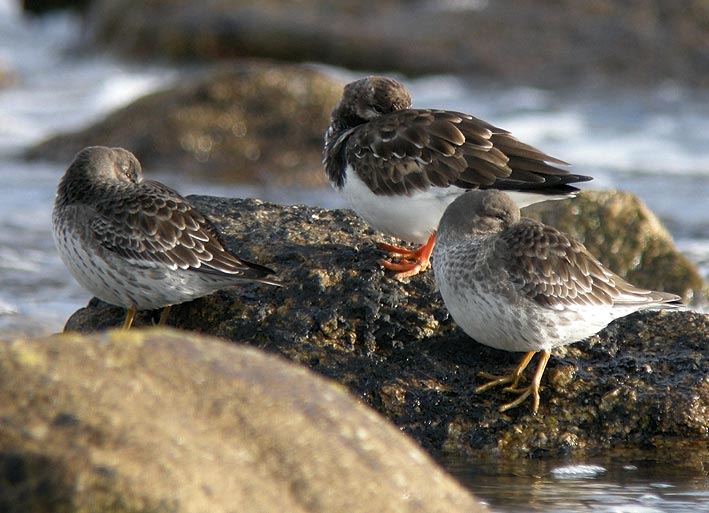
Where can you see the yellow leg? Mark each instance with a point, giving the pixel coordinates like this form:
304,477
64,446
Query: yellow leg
533,388
130,315
164,315
512,378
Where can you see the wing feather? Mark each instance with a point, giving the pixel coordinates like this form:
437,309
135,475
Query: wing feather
557,272
412,150
153,225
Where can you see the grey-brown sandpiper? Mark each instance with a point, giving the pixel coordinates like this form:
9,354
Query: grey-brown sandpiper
519,285
137,243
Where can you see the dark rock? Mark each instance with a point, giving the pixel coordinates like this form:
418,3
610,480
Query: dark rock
249,122
42,6
642,382
163,421
559,43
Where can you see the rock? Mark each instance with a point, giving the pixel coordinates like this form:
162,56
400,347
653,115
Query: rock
163,421
43,6
394,345
626,236
539,43
251,122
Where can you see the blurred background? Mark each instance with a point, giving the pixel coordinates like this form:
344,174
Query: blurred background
232,98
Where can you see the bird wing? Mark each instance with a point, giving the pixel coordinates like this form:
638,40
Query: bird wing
154,225
557,272
412,150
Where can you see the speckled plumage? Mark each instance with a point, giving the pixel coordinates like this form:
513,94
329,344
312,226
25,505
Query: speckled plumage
401,167
519,285
137,243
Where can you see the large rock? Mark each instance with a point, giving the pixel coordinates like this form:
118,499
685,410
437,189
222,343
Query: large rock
560,43
642,382
162,421
248,122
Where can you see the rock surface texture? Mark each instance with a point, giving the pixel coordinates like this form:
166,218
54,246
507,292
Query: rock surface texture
161,421
643,382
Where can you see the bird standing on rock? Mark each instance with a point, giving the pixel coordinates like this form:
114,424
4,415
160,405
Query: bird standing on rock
519,285
400,167
137,243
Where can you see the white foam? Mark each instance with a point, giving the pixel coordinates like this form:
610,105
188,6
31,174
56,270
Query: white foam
577,471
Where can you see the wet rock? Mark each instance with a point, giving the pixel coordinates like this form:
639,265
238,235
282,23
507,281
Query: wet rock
251,122
394,345
627,237
163,421
554,44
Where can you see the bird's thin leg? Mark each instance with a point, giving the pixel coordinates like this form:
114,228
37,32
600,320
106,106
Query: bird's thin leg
130,315
512,378
533,388
163,316
413,261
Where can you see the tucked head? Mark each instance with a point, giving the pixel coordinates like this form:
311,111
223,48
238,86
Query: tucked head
369,98
95,168
102,164
478,212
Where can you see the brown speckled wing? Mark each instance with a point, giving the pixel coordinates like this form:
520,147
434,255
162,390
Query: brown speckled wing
153,224
557,272
412,150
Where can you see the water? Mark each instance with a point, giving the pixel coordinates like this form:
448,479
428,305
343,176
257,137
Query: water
652,143
624,484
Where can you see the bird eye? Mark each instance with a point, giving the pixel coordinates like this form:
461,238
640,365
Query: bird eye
378,109
128,171
501,217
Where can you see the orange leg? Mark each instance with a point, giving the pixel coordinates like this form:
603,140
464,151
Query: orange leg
411,262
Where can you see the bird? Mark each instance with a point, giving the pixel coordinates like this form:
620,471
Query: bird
518,285
137,243
400,167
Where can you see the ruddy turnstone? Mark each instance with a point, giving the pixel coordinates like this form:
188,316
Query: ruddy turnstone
519,285
400,167
137,243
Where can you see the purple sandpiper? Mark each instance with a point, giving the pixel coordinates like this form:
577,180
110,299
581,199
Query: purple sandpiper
137,243
400,168
519,285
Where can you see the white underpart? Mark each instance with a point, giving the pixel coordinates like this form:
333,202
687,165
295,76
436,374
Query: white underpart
140,284
412,218
495,317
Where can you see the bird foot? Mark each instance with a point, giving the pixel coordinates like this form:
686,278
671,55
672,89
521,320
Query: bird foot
405,269
411,262
496,381
397,251
523,394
